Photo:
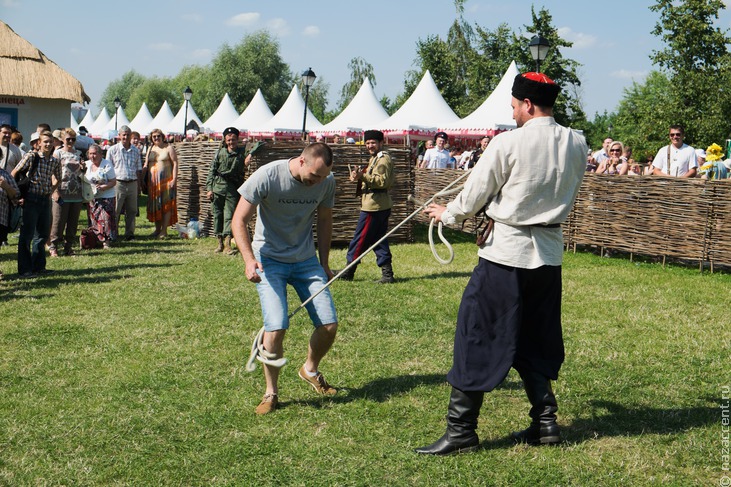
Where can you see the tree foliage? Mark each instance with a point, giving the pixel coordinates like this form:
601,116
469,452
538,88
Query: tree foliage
360,69
238,70
122,88
469,63
696,61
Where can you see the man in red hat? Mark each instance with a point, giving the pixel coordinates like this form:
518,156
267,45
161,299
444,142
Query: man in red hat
510,314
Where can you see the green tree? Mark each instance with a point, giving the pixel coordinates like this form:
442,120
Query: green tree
205,99
696,61
122,88
643,116
153,91
568,109
240,70
317,102
359,70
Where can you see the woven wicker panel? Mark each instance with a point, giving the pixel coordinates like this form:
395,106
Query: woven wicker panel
195,159
432,181
719,227
654,216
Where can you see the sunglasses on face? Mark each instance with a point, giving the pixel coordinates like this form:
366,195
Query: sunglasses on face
70,139
676,135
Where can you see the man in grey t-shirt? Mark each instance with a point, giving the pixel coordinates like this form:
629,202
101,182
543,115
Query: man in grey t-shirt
286,195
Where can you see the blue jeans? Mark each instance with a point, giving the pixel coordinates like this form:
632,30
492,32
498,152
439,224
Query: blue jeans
307,278
34,233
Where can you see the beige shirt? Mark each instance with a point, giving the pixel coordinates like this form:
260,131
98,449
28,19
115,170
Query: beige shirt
528,177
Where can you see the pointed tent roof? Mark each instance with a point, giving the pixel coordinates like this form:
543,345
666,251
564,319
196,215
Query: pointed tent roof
101,121
224,116
288,120
175,126
88,120
495,113
257,114
142,120
119,119
73,123
363,112
423,112
26,71
162,119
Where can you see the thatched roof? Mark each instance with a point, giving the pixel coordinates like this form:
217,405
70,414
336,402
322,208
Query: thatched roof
26,71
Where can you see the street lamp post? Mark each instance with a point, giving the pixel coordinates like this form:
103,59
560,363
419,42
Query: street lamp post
539,47
187,94
117,104
308,78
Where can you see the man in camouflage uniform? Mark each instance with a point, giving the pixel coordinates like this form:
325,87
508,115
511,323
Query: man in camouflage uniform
225,175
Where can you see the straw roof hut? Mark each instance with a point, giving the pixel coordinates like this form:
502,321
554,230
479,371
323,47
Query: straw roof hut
26,73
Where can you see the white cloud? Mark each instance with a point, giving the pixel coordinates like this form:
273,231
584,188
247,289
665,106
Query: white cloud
278,27
246,19
311,31
197,18
580,40
161,46
201,54
626,74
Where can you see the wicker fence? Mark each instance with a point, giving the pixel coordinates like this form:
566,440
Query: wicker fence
652,216
663,217
195,159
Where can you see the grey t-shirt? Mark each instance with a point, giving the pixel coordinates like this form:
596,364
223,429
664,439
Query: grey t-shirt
285,211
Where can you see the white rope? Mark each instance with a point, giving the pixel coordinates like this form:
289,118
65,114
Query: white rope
258,352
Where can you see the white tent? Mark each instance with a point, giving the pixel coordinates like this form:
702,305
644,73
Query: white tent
97,128
288,120
141,121
495,113
422,113
88,120
73,123
119,119
176,125
362,113
224,116
257,114
162,119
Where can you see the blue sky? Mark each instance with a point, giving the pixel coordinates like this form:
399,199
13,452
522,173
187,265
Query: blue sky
98,42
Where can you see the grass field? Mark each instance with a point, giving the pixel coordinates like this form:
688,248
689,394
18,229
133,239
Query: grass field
125,367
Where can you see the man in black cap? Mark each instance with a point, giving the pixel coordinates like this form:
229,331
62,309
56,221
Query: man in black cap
225,176
510,314
373,185
437,157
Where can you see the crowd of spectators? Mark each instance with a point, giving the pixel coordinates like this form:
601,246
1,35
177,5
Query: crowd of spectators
677,159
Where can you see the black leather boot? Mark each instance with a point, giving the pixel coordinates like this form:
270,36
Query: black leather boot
543,429
464,408
349,274
386,274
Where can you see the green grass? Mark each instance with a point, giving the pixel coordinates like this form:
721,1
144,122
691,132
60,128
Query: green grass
126,368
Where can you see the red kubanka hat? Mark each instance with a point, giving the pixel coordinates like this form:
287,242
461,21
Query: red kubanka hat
537,87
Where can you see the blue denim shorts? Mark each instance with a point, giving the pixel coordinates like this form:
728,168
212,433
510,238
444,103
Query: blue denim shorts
306,278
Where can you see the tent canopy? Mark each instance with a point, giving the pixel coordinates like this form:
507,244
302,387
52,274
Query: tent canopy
162,119
424,111
141,121
362,113
224,116
257,114
288,120
495,113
